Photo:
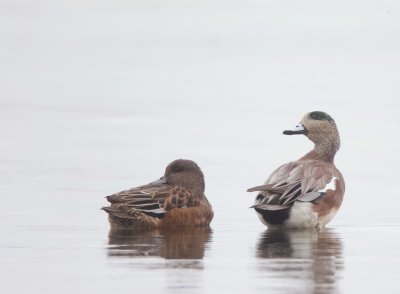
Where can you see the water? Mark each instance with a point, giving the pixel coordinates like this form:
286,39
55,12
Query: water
97,97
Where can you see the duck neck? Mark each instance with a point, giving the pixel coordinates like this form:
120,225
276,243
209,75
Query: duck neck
324,150
198,186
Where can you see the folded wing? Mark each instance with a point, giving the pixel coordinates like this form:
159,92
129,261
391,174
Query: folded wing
306,181
151,200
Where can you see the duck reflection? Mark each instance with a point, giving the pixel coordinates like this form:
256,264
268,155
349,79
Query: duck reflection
185,243
309,260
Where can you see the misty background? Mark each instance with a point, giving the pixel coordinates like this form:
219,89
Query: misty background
99,96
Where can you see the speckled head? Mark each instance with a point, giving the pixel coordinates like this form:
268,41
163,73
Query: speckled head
319,127
185,173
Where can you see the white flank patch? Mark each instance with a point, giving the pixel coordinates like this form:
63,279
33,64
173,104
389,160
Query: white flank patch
330,186
302,215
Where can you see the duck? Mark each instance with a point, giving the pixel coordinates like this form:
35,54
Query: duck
306,193
175,200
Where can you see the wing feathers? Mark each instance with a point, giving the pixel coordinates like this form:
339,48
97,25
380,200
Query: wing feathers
297,181
154,201
261,188
310,197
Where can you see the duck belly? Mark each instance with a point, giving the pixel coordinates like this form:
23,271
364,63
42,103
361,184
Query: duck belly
302,215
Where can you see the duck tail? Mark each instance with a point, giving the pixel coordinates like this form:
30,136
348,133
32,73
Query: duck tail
272,214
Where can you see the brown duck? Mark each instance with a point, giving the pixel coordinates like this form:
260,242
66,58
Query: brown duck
308,192
175,200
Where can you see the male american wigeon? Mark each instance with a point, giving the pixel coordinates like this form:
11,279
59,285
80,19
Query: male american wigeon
175,200
308,192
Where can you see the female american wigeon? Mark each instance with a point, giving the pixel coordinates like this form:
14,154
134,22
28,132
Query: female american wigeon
175,200
308,192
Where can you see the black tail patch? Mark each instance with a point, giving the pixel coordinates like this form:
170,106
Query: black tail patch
274,217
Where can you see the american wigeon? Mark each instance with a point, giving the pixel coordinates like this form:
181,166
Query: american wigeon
308,192
175,200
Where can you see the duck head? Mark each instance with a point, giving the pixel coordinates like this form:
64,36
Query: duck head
321,129
184,173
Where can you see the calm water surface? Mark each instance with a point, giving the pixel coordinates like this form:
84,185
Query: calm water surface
97,97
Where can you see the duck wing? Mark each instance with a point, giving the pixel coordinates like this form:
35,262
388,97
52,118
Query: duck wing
152,200
306,181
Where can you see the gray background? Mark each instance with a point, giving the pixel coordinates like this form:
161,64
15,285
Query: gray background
99,96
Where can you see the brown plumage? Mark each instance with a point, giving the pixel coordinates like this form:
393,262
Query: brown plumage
175,200
309,191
